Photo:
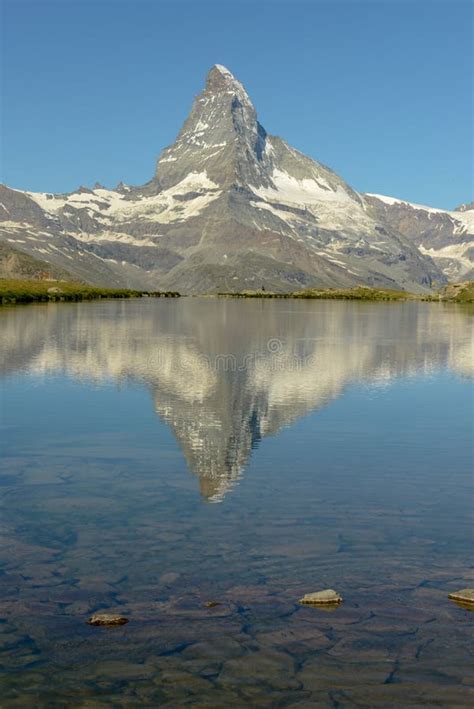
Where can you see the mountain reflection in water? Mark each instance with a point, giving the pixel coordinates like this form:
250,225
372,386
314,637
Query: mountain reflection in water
226,373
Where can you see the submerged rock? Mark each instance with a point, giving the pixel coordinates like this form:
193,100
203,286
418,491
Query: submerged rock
321,598
107,619
465,597
211,604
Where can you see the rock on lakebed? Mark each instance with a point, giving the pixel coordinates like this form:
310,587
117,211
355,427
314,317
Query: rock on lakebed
321,597
107,619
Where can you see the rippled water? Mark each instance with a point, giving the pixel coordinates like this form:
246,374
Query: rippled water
161,454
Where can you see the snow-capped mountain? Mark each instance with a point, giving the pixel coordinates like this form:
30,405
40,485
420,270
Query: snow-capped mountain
230,208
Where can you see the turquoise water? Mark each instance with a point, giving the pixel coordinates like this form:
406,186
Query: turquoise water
158,455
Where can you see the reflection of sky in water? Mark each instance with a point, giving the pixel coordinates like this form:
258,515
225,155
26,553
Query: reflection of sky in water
225,374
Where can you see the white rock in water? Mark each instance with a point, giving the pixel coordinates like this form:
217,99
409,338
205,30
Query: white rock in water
107,619
465,595
321,597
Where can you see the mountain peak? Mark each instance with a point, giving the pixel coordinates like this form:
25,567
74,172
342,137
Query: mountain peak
221,81
221,74
221,134
223,70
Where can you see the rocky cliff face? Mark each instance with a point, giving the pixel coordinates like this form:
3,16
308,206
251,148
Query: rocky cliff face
231,207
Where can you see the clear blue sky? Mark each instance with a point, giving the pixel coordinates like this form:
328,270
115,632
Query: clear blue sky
381,90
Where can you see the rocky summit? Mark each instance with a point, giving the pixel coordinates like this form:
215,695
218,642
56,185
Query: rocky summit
232,208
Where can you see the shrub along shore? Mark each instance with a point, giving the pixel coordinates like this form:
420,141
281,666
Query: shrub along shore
20,291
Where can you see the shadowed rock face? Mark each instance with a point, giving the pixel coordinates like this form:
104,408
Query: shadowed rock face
226,374
231,207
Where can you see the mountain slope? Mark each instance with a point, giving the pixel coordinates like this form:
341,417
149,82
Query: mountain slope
230,207
445,236
16,264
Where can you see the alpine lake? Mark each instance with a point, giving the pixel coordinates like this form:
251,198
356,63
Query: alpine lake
197,465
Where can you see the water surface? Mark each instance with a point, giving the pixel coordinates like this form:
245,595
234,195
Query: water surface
158,455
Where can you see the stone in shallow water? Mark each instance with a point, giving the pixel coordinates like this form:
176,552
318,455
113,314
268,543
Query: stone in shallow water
321,597
464,596
107,619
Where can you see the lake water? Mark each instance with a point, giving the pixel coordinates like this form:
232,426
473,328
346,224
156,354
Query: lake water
161,454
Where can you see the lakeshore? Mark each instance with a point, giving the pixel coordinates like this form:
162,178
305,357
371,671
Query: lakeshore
453,293
16,291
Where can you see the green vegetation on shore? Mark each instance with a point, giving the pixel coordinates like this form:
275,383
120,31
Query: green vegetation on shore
23,291
457,293
359,293
42,291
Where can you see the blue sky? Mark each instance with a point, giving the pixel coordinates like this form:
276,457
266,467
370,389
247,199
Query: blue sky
381,91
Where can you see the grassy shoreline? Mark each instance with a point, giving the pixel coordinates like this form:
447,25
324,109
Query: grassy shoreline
455,293
13,292
360,293
16,291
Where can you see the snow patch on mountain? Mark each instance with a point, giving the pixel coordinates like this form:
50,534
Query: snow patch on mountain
106,205
305,191
454,252
393,200
466,219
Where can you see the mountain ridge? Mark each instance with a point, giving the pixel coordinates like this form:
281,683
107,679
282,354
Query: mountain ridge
232,207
